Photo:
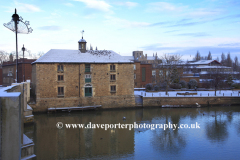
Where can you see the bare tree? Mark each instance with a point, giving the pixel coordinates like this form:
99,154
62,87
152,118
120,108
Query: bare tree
169,64
218,77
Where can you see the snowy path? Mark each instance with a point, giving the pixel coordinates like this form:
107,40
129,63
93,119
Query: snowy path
225,93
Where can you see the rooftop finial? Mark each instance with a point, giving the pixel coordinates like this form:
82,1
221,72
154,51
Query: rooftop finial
82,33
15,11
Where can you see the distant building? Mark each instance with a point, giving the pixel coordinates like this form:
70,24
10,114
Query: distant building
1,82
63,78
9,71
143,67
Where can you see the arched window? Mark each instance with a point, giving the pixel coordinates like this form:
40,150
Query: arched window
88,90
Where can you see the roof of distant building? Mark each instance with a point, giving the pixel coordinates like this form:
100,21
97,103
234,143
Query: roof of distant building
75,56
203,62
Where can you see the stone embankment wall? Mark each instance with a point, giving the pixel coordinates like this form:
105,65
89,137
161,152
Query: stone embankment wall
189,101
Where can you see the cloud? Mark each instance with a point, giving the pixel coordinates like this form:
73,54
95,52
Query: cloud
23,7
186,51
127,4
198,34
203,12
69,4
164,6
50,28
158,47
97,5
171,31
230,45
125,23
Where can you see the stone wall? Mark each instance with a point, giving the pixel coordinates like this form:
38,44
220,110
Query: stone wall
13,100
45,86
189,101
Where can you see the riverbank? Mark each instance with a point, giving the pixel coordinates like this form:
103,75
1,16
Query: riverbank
188,98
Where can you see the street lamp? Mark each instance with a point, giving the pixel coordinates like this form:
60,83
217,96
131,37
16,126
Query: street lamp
18,26
23,49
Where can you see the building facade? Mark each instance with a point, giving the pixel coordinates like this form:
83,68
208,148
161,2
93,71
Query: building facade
68,78
9,71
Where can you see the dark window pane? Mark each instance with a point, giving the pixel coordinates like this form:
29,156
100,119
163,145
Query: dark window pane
143,74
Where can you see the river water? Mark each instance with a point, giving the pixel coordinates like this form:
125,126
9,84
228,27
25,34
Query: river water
216,135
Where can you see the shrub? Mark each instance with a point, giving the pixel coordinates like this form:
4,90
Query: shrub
163,85
183,84
156,88
236,85
176,86
149,86
192,84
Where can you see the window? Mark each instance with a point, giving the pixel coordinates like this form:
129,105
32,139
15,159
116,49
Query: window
167,73
60,91
88,78
134,76
134,66
143,74
112,67
113,77
160,73
10,73
113,88
88,90
60,68
153,73
87,67
60,77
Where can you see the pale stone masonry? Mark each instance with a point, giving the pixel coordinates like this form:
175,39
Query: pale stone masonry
62,78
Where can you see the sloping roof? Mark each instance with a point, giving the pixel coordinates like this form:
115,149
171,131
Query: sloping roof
206,62
75,56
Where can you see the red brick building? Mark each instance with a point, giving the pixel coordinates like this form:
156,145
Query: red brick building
9,71
142,74
1,82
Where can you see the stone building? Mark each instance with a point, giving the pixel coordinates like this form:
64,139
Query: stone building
68,78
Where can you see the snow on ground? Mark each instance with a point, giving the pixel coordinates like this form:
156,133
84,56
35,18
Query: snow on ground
220,93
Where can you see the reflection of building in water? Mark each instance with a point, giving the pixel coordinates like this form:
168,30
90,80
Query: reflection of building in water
53,143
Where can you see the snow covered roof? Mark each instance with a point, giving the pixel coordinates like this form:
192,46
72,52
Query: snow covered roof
220,67
82,40
206,62
131,58
75,56
150,58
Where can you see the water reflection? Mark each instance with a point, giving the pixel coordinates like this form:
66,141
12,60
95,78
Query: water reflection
52,143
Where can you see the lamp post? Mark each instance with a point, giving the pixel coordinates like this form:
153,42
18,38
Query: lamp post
18,26
23,49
